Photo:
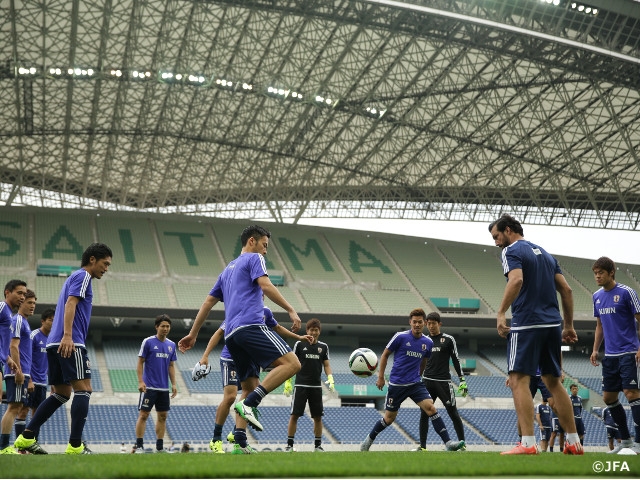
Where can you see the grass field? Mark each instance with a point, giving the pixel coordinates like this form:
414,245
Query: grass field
309,465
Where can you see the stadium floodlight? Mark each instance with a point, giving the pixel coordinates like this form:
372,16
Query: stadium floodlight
247,86
27,71
55,71
115,72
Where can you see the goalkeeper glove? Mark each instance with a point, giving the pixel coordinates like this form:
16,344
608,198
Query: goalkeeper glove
330,382
288,388
462,388
200,371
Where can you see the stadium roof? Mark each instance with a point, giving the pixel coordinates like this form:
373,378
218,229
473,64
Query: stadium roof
457,110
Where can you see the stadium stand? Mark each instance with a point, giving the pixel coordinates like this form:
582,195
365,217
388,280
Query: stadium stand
348,425
409,419
275,421
387,302
137,293
333,301
194,423
48,289
191,295
14,230
61,236
293,297
116,424
488,387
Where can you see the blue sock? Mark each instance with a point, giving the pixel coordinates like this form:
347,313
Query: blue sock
240,435
440,427
377,428
4,440
79,411
217,432
20,425
255,397
620,417
635,413
43,413
159,443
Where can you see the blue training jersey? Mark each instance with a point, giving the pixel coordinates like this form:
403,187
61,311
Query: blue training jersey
5,330
157,355
408,352
21,330
269,321
537,303
39,363
617,309
238,289
576,402
77,285
545,414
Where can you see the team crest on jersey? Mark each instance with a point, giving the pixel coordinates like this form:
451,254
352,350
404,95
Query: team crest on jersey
146,401
319,349
424,347
616,298
88,364
170,349
442,340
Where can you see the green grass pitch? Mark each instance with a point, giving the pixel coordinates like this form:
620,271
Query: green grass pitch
319,465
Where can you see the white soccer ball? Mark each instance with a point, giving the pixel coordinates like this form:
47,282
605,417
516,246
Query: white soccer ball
363,362
626,451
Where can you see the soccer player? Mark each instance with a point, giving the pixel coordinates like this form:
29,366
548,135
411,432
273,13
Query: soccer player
576,401
410,349
612,428
252,344
37,391
313,356
69,367
230,377
556,431
617,311
17,383
156,358
543,418
536,333
14,292
437,378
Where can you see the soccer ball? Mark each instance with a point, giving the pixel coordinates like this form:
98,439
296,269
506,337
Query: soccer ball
363,362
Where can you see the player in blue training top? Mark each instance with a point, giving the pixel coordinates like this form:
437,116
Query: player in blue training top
536,333
241,287
69,367
230,384
612,428
411,350
617,311
156,359
576,402
543,418
14,292
37,389
18,381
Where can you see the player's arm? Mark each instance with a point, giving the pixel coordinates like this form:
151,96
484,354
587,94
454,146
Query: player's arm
569,334
598,336
172,378
283,332
141,385
637,315
327,369
273,294
190,340
67,347
511,291
14,351
538,419
213,342
384,358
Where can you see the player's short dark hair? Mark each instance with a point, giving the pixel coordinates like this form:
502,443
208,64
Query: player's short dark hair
162,318
97,250
255,231
314,323
48,313
434,316
507,221
606,264
30,294
417,312
13,284
573,385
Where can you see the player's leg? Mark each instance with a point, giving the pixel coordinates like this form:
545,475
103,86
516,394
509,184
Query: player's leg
449,399
15,395
146,402
161,428
21,418
427,406
629,379
78,374
423,426
298,402
316,409
395,396
229,393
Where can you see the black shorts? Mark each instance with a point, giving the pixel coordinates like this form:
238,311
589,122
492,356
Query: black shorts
302,395
63,370
442,390
35,398
157,398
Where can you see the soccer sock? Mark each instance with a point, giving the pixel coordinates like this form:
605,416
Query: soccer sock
159,444
139,443
635,414
217,432
241,436
424,429
440,427
318,441
4,440
43,413
572,438
255,397
79,411
620,417
290,441
551,448
19,425
377,428
528,440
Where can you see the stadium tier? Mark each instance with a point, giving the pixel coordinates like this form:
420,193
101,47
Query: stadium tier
353,424
115,424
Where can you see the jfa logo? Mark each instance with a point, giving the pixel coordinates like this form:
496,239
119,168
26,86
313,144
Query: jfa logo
610,466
